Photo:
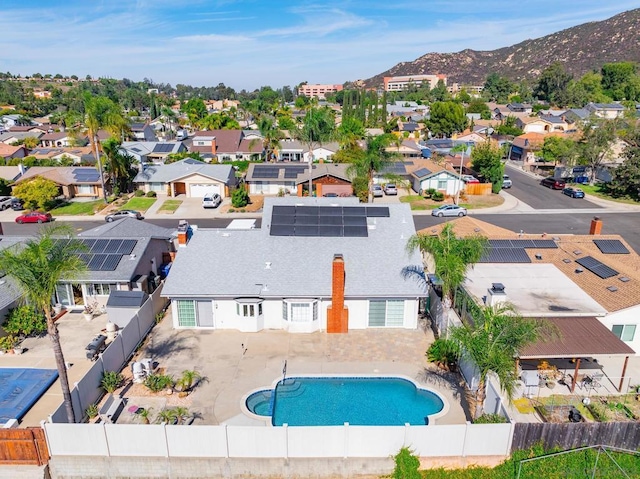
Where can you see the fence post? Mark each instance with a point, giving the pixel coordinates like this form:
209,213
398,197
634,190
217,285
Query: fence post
346,440
226,441
512,431
285,428
464,439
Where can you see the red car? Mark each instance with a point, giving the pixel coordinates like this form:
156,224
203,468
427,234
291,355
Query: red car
34,217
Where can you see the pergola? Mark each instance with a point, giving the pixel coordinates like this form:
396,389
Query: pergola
578,339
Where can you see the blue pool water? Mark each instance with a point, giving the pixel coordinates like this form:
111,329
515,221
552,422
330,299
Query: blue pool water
333,401
20,388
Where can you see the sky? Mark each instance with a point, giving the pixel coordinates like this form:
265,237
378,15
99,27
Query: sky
246,44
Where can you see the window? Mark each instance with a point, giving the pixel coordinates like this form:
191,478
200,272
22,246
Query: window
157,186
626,332
186,312
300,312
388,313
442,184
85,189
99,289
249,309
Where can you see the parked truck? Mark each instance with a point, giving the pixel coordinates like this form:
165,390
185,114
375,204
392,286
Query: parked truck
5,202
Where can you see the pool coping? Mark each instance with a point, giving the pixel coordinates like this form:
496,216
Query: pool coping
268,419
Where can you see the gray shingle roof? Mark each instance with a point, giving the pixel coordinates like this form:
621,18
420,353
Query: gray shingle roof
180,169
129,228
253,263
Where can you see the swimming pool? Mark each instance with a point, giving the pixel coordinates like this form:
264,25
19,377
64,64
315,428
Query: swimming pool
20,388
332,401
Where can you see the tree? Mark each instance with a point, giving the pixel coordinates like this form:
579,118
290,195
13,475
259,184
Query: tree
318,127
240,198
497,88
552,84
451,257
271,136
508,127
374,158
37,193
493,341
101,112
486,159
118,164
595,143
626,177
447,118
615,77
195,109
350,131
38,265
559,150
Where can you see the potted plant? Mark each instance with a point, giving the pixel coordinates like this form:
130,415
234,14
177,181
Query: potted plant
87,312
144,414
92,411
57,309
111,380
8,343
187,381
167,416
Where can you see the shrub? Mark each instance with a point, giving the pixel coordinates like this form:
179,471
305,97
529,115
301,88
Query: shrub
444,353
25,321
9,342
151,194
490,419
111,380
158,382
189,379
437,196
429,192
240,198
92,411
138,193
406,465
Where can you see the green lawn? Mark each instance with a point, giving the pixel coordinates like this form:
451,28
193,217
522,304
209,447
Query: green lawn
139,204
75,208
169,206
598,192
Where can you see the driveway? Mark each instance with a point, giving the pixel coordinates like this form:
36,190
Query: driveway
237,363
527,188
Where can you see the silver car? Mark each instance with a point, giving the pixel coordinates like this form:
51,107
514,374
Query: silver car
118,215
376,190
449,210
390,189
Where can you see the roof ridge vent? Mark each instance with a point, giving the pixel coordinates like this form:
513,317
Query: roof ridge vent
267,265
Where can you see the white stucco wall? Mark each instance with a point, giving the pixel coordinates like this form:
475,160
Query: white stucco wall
452,183
629,316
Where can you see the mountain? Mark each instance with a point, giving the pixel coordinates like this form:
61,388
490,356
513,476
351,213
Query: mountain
581,49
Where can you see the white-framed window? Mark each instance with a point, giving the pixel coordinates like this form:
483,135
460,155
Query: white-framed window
389,313
249,308
300,311
85,189
154,186
626,332
100,289
187,314
442,184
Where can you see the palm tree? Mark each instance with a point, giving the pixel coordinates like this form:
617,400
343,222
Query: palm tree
38,265
170,116
493,341
271,136
451,256
460,148
318,127
101,112
374,158
117,164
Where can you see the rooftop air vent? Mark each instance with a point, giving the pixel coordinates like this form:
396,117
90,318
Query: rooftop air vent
497,287
613,289
624,279
538,256
566,260
579,270
577,252
267,265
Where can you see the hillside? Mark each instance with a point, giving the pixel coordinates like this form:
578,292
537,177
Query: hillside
581,49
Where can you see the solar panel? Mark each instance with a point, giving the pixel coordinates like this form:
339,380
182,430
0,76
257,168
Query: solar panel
284,210
522,243
162,148
377,211
355,232
596,267
283,220
422,172
545,244
127,246
111,262
85,257
306,230
330,211
611,246
282,230
99,246
500,243
354,211
306,220
505,255
293,171
96,262
333,220
330,230
307,210
112,246
266,172
355,221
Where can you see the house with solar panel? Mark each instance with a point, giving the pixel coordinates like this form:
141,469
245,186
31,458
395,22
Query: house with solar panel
153,152
315,264
438,177
188,177
293,179
73,181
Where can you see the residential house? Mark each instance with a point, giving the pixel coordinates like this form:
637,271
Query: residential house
74,181
430,175
576,115
408,148
154,152
473,137
344,246
11,138
525,147
226,145
188,177
28,128
501,113
10,292
293,179
7,121
143,132
11,173
608,111
520,108
295,150
9,152
61,139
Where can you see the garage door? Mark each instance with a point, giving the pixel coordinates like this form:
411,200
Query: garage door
199,190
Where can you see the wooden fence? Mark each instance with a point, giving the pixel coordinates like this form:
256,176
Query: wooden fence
478,189
624,435
23,446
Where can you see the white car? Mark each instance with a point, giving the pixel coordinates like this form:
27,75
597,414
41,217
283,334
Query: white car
390,189
377,192
211,200
449,210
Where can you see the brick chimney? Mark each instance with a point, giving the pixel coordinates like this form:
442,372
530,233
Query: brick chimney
596,226
337,314
213,146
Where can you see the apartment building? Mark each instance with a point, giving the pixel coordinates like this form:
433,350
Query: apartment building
399,83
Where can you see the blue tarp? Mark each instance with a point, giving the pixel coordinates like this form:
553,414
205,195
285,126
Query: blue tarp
20,388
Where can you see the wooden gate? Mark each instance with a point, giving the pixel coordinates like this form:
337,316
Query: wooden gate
23,446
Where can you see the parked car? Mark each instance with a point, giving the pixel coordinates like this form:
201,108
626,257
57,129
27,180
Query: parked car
390,189
449,210
377,191
331,195
118,215
470,179
34,217
553,183
506,181
17,204
212,200
5,202
573,192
